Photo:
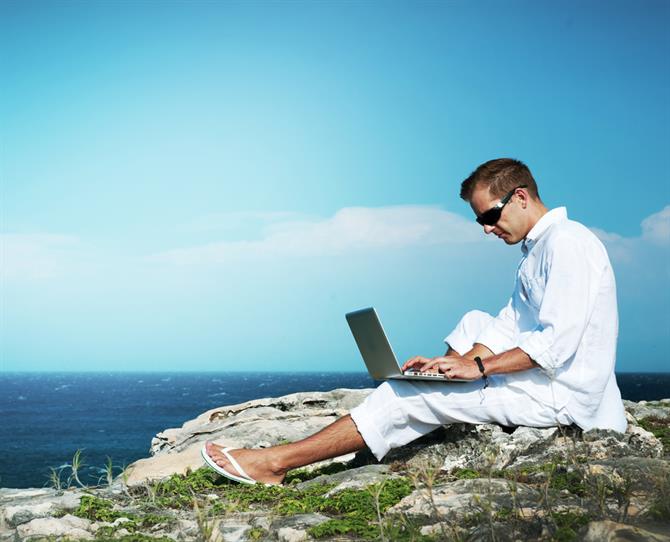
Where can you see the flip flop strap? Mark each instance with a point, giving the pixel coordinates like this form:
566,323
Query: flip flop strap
235,464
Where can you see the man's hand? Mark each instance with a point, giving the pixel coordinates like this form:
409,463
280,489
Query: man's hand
453,366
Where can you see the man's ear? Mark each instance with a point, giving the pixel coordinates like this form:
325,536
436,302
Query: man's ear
524,197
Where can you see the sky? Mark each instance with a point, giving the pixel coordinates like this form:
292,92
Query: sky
213,185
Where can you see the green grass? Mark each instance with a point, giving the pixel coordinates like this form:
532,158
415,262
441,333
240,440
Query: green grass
97,509
467,474
256,533
356,511
352,511
134,537
568,525
302,475
178,491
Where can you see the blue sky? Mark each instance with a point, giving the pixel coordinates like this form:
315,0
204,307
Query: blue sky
212,185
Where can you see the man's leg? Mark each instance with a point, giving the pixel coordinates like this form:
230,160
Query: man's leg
413,416
270,465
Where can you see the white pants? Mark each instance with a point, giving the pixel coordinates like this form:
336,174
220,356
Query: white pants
400,411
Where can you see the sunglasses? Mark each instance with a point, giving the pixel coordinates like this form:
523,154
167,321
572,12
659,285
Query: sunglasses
490,217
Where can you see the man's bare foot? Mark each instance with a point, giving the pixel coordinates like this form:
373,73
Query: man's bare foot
258,464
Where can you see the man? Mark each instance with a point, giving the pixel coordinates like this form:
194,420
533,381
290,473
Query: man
546,359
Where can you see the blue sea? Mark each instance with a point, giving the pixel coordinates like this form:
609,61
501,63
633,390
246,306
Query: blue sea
46,417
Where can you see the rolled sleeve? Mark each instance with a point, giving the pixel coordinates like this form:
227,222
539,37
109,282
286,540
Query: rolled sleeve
538,348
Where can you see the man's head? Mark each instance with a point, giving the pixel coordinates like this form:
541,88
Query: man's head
504,196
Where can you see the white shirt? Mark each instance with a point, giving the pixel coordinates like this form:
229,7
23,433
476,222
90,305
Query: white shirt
563,314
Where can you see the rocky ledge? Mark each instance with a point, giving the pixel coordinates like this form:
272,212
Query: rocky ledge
460,483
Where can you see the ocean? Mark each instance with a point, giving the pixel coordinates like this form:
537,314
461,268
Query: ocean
46,417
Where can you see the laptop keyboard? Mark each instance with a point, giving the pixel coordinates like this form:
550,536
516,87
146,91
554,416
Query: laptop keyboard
415,372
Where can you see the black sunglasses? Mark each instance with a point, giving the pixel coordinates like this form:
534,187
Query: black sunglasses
490,217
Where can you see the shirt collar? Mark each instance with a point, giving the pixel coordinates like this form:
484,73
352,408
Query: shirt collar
548,219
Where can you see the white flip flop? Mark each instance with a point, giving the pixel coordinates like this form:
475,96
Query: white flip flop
244,478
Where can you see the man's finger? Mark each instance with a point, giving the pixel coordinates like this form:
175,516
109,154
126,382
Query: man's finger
429,364
413,362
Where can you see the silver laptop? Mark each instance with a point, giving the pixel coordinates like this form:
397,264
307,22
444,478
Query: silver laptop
377,352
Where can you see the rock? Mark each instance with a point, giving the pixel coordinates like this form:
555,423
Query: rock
226,421
642,410
186,528
67,526
22,505
164,466
237,527
454,500
351,478
229,530
294,528
259,423
636,441
499,448
610,531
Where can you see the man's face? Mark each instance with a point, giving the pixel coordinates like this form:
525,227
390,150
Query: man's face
512,226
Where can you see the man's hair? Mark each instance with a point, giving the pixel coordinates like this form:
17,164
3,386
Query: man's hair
500,176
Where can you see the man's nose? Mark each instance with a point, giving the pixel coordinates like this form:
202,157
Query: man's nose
488,229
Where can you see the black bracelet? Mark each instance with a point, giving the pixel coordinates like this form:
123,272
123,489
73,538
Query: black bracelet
478,360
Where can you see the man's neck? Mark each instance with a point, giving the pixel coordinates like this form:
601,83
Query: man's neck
536,212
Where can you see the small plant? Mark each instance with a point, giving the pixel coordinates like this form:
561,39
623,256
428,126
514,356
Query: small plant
567,525
76,465
205,527
660,506
55,479
563,478
108,475
466,474
375,491
424,477
256,533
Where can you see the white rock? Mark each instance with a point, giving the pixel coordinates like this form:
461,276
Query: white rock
644,440
287,534
69,526
31,504
461,497
23,513
266,421
610,531
294,528
230,530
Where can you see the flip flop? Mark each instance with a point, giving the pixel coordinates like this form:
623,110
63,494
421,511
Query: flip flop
243,478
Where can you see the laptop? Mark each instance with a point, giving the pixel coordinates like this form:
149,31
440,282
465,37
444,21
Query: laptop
377,352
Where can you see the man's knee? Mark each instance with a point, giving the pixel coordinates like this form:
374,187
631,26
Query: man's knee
470,326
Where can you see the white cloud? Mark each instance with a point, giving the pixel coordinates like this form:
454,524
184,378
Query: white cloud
36,256
655,237
350,229
656,227
236,220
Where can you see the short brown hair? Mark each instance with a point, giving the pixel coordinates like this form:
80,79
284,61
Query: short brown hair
500,176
